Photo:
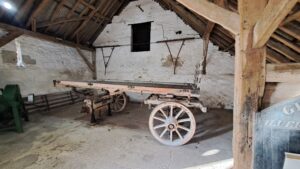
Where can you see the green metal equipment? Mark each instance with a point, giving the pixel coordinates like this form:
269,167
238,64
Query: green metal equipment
12,109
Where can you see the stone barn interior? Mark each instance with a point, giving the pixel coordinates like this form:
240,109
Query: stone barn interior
144,84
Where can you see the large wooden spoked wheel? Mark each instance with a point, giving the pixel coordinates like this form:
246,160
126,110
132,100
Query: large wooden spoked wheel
119,102
172,124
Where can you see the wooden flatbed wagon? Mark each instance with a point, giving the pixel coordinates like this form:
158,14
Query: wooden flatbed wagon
171,121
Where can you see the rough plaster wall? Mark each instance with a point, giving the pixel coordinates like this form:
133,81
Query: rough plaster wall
216,86
53,61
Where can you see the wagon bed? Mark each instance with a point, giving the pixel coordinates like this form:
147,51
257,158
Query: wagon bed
171,121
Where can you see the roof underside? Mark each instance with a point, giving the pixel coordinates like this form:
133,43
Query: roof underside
81,21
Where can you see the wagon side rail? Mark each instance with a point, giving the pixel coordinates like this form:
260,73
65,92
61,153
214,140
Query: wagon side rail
112,88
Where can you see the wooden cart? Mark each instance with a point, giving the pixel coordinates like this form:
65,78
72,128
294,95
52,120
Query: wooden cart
171,121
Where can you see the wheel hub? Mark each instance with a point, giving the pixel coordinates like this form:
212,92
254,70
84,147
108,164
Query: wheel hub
171,126
171,123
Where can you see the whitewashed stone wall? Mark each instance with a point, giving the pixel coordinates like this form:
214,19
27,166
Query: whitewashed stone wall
44,62
216,87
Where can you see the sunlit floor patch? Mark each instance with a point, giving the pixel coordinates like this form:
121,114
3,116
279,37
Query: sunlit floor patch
224,164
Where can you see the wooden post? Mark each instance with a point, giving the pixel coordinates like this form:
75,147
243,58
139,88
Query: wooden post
249,83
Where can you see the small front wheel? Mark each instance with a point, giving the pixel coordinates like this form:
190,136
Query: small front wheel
172,124
119,102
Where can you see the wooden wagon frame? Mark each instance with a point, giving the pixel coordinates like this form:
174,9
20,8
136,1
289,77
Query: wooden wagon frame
171,121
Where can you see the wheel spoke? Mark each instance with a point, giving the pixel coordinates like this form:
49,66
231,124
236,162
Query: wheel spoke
171,111
163,133
184,120
159,126
183,128
180,136
160,119
163,112
178,114
171,135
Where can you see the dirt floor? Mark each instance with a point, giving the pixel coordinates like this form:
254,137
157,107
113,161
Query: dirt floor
64,139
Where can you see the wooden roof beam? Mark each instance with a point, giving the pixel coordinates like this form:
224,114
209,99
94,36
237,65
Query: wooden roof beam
55,12
87,4
60,21
69,14
214,13
9,37
291,17
286,42
44,37
291,30
23,11
273,15
284,50
284,72
276,57
92,13
37,11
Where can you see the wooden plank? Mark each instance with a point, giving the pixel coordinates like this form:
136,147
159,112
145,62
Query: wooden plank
283,72
44,37
273,15
11,36
227,19
37,11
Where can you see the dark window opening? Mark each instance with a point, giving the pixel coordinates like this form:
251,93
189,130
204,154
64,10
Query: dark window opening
140,35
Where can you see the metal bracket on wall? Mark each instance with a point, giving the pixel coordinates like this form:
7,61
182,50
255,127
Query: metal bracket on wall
106,59
175,60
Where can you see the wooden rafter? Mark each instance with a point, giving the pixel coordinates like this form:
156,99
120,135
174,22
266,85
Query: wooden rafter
87,4
24,9
107,11
70,29
291,17
55,12
283,72
69,14
227,19
44,37
284,50
92,13
286,42
59,21
37,11
275,57
9,37
101,24
275,11
291,30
